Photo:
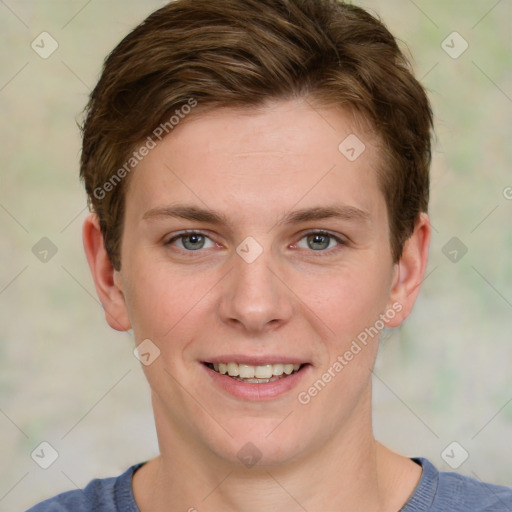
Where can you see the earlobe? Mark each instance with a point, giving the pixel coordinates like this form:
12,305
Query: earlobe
410,271
106,281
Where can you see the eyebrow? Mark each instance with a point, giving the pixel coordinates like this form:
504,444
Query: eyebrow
194,213
343,212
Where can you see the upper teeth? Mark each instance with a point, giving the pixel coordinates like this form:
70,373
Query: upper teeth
247,371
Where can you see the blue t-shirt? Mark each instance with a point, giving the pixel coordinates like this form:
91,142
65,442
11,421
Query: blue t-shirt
436,492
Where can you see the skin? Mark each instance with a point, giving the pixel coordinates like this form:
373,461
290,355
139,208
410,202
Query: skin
254,167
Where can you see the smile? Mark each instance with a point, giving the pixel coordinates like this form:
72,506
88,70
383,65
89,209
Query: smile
260,374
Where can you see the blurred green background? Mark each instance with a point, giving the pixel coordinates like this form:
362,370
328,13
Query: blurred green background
68,379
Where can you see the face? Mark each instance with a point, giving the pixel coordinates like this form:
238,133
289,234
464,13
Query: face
253,245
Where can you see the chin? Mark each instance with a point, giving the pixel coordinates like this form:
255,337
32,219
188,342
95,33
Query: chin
259,443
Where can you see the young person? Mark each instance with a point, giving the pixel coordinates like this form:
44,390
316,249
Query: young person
258,175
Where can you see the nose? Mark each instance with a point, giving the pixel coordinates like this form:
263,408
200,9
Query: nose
255,297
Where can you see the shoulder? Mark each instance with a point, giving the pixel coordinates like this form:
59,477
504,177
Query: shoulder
440,491
472,494
100,495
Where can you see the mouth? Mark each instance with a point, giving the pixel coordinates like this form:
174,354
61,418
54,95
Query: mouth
260,374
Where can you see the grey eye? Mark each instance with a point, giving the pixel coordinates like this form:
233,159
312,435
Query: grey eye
193,242
318,241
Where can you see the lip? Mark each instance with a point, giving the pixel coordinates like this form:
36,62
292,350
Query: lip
254,391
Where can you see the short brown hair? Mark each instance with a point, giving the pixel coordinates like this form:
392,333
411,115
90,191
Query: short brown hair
242,53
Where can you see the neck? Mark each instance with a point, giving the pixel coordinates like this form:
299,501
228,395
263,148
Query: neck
350,471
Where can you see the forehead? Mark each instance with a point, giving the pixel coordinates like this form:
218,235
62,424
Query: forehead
295,127
285,153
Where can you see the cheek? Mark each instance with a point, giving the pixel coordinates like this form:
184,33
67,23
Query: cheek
348,298
168,305
350,305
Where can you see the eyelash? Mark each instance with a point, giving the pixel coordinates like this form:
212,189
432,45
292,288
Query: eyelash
325,252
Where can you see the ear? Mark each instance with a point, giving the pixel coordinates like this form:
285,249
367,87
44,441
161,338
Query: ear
409,271
106,279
